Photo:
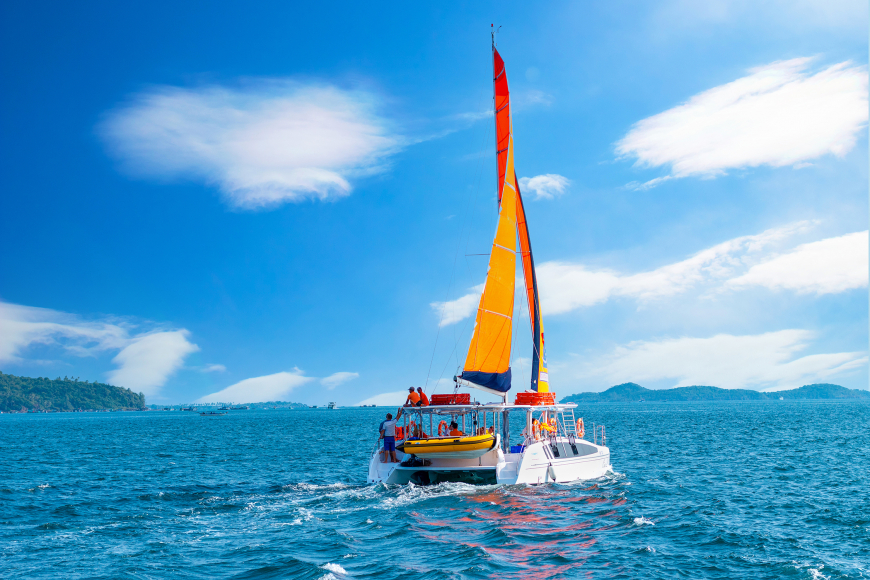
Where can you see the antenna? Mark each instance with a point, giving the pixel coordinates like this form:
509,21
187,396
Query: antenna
493,31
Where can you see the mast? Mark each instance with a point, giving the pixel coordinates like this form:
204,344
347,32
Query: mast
487,365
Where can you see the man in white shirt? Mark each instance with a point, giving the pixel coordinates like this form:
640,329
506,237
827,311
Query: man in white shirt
388,434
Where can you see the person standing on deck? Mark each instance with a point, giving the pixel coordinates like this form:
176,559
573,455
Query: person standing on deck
388,434
424,400
413,399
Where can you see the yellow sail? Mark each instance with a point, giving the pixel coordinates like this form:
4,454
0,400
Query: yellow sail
488,360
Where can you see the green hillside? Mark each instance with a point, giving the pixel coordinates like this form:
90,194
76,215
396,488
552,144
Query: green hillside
632,393
25,393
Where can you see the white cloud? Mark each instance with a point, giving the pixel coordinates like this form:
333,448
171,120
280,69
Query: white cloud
824,267
566,286
336,379
391,399
269,142
214,368
25,326
149,360
763,361
146,359
545,186
274,387
778,115
453,311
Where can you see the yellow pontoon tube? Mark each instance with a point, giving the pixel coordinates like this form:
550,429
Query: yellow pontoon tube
450,447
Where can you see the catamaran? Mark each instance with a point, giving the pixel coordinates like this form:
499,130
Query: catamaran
472,442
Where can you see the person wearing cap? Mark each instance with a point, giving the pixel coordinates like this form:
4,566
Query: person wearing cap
424,400
413,399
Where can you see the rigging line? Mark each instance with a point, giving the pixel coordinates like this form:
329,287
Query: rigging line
474,202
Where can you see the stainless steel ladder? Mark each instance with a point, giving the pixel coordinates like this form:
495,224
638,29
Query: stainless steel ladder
569,426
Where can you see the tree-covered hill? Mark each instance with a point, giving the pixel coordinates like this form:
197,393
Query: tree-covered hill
25,393
631,392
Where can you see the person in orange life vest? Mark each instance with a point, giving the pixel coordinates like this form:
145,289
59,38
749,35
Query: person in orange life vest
454,429
413,399
424,400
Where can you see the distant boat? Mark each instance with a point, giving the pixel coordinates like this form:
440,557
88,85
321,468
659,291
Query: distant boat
187,409
224,409
331,405
211,414
553,448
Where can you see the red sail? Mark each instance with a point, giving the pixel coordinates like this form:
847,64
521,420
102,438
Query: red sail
502,117
503,133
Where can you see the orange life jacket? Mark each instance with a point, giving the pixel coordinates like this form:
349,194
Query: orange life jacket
456,432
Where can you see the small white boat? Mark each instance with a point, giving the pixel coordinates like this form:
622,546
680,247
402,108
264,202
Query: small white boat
553,446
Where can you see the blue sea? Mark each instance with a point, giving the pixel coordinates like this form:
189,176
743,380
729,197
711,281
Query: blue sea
700,490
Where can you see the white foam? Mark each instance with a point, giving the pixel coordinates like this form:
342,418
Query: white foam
642,520
334,568
817,574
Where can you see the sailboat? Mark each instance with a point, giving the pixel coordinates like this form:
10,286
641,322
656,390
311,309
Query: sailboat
473,440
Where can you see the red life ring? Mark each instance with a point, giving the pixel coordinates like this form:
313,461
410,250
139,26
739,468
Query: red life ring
443,425
580,430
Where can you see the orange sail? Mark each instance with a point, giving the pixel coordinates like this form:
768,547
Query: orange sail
488,361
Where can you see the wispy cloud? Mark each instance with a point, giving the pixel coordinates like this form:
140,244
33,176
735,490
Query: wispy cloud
545,186
149,360
824,267
337,379
453,311
566,286
274,387
261,144
763,361
214,368
146,360
778,115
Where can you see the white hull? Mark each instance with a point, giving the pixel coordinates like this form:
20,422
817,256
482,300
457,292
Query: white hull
538,463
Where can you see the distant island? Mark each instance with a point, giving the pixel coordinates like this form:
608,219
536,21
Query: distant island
634,393
266,405
21,394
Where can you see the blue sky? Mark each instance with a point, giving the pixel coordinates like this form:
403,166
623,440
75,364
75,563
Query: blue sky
282,201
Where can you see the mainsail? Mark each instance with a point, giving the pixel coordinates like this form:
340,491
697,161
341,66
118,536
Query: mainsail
488,362
489,354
